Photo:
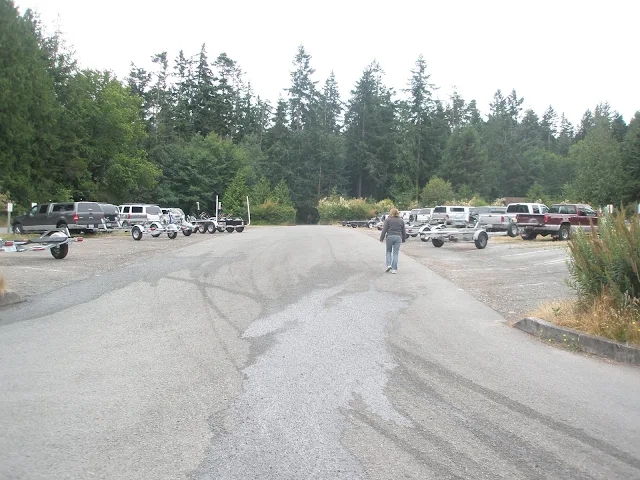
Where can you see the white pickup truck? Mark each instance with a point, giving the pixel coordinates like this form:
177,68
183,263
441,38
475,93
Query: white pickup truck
503,219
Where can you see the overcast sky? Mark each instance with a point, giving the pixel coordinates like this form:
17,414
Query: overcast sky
571,54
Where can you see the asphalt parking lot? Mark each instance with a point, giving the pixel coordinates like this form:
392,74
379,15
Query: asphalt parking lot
510,275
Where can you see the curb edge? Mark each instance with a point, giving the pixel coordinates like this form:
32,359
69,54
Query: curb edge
585,342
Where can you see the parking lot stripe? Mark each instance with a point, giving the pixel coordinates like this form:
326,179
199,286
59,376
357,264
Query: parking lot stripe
525,253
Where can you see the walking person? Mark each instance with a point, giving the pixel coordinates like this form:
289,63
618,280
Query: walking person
395,233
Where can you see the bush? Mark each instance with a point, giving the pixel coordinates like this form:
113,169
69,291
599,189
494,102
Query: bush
270,213
333,209
608,262
604,272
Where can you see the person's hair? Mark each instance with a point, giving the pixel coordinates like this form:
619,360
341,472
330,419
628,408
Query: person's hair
394,212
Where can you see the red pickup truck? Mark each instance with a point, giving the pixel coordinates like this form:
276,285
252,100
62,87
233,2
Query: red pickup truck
558,222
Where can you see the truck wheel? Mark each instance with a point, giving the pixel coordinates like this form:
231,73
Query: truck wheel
125,224
61,225
60,251
18,229
482,240
239,229
414,235
202,228
136,233
187,231
564,233
354,225
512,231
529,236
437,242
221,229
172,235
211,228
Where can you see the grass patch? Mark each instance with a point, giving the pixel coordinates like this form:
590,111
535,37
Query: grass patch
601,317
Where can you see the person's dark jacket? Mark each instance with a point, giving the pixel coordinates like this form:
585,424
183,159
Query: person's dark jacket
393,226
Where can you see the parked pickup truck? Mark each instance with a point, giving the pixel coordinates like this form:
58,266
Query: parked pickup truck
558,222
76,216
495,219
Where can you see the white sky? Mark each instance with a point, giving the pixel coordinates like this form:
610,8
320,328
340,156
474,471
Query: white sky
570,54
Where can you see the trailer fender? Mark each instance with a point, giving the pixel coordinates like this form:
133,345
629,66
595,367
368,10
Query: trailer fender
477,233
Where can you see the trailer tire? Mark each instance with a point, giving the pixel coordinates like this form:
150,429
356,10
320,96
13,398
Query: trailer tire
211,228
172,235
239,229
202,228
481,241
186,232
60,251
136,233
424,238
512,231
229,229
437,242
564,233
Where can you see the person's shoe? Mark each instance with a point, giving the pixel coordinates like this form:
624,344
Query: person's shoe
394,271
388,268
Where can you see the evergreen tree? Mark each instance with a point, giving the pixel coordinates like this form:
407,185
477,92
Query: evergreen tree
204,97
465,160
370,134
331,108
303,95
630,162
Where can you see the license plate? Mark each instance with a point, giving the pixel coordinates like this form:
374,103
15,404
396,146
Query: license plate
91,226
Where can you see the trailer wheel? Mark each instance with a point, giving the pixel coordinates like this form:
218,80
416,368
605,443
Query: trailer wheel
136,233
172,235
202,228
60,251
229,229
564,233
239,229
211,228
482,240
187,231
424,238
156,235
354,225
437,242
512,231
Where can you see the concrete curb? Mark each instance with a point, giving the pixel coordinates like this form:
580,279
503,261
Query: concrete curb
10,298
582,341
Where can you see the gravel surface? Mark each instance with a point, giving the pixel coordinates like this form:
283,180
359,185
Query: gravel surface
510,275
34,273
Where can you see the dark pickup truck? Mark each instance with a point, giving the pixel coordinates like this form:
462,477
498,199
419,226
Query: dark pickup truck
76,216
559,221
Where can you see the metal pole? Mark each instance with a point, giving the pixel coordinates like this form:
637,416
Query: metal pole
248,212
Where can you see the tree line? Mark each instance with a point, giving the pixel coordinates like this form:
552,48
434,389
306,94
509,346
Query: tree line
189,128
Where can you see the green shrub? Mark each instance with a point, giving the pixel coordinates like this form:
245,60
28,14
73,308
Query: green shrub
270,213
337,208
607,264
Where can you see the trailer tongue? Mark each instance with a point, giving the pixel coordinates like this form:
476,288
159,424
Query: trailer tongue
56,241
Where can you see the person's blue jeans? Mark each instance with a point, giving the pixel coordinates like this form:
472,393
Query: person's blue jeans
393,248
